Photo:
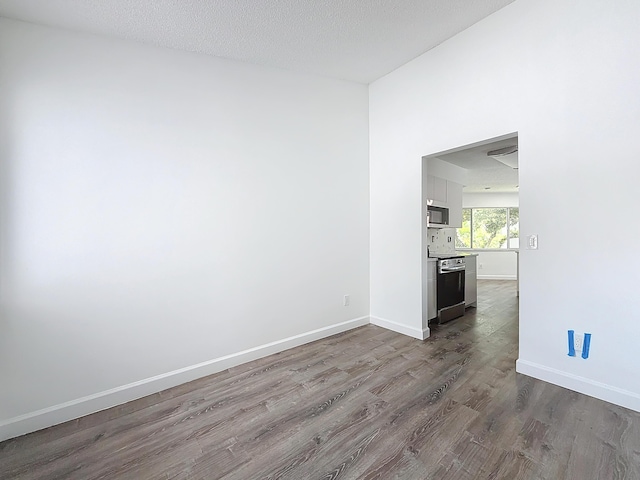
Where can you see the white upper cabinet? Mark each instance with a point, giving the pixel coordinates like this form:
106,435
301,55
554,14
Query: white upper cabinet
448,194
437,191
454,200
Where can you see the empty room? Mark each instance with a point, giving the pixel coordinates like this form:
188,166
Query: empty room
288,239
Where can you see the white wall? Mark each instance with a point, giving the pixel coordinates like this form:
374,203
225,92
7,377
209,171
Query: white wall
564,76
161,209
494,265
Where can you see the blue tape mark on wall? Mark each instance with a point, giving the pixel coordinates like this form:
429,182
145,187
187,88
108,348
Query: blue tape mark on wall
585,345
572,348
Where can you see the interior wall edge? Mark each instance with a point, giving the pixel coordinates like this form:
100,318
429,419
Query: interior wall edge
89,404
602,391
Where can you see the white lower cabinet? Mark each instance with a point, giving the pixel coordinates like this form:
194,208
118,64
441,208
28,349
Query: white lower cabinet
470,281
432,311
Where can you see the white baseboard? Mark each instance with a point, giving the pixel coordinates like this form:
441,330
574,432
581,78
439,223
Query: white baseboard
64,412
602,391
497,277
420,334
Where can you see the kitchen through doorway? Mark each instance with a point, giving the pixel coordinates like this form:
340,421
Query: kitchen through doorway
470,204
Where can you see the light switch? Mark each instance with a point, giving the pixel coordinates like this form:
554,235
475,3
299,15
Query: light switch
532,242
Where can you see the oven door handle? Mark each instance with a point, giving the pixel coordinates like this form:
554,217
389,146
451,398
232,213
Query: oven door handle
452,269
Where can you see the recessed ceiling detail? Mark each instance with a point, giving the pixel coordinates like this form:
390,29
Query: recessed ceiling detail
506,155
357,40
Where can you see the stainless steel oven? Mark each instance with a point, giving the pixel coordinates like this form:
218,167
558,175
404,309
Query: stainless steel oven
450,288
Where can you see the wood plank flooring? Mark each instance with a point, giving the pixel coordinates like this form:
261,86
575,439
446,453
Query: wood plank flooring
365,404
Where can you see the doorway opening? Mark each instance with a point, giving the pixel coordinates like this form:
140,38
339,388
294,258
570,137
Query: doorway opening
476,188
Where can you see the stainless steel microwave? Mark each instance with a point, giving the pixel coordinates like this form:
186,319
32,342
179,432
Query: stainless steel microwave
437,216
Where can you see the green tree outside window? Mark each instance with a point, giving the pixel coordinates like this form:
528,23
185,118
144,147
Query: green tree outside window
490,228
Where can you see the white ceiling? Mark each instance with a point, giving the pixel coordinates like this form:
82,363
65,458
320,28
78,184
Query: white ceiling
485,174
357,40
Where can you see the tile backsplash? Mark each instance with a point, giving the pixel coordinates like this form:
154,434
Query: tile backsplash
441,240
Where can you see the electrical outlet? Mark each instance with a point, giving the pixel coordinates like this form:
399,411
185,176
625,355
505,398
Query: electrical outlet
579,344
480,265
347,300
578,341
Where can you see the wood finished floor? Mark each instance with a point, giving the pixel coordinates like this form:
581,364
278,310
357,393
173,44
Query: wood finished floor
365,404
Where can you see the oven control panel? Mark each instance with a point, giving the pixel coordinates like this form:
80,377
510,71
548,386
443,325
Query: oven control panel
451,265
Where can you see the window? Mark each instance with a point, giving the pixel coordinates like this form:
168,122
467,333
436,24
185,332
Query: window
490,228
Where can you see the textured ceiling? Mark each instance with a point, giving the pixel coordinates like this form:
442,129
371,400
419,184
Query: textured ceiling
357,40
485,174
